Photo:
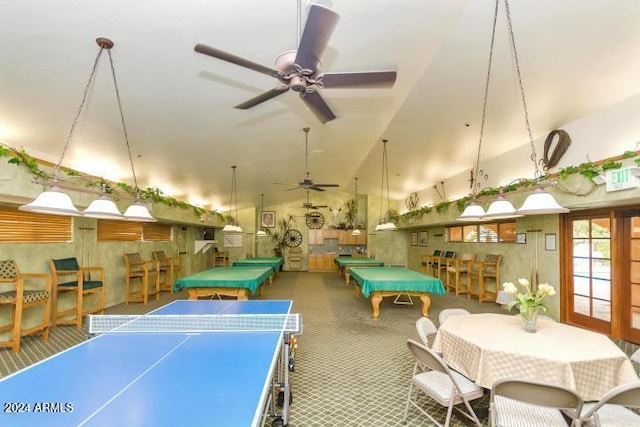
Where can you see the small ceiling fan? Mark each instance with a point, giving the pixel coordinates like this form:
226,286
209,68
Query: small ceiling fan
301,71
306,182
308,205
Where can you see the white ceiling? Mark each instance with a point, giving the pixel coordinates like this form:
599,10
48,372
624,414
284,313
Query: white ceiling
576,57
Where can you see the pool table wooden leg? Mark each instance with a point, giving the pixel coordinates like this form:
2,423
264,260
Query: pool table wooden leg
375,304
426,303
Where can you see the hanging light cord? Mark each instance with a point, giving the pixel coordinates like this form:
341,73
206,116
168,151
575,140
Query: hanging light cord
384,155
534,156
386,171
233,202
124,126
476,171
85,94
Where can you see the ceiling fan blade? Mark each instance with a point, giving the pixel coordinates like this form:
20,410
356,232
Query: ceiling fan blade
285,183
295,188
326,185
262,98
316,188
321,22
234,59
317,105
358,80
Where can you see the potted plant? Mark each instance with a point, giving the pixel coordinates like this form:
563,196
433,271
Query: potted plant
279,236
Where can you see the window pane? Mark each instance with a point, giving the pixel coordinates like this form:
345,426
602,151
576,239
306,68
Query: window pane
581,228
455,234
601,248
602,310
635,318
507,232
470,233
602,289
635,271
635,227
581,305
488,233
601,227
581,286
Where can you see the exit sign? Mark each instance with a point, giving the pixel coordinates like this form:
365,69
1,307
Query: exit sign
622,179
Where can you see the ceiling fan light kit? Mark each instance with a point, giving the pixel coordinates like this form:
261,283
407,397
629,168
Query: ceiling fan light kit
301,70
539,202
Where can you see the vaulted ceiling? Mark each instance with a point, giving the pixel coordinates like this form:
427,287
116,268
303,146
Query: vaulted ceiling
576,57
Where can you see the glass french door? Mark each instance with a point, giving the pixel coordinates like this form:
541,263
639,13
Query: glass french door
590,285
601,271
631,277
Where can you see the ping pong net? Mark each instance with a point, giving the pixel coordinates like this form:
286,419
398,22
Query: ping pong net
189,323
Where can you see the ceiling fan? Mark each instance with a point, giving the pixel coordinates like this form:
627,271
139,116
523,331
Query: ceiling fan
300,70
306,182
308,205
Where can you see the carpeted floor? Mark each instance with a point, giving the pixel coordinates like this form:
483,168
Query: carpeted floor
350,370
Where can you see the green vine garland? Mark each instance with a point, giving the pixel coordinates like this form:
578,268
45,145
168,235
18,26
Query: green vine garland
21,158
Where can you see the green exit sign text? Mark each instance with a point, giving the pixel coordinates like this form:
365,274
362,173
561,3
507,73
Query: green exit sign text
622,179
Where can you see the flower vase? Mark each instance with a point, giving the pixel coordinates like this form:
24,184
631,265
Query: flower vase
530,319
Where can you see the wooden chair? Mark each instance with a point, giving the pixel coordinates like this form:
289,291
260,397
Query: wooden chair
69,278
295,259
429,259
482,273
170,267
146,272
459,267
220,259
15,294
439,264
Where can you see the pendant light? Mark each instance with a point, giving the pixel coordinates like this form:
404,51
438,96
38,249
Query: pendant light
233,226
261,232
54,201
385,223
356,231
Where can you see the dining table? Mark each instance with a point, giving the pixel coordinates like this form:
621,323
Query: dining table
488,347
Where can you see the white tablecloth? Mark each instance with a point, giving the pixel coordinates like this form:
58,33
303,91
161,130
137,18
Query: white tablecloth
488,347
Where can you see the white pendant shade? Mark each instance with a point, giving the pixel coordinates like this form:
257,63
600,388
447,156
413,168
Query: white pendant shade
540,203
473,212
138,212
230,228
386,226
103,207
54,202
355,232
501,208
261,233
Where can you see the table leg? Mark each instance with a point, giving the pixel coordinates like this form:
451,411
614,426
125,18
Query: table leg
347,277
375,304
426,303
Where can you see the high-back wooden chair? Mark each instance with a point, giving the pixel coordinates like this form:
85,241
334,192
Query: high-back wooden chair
430,259
457,270
439,264
147,275
69,278
169,267
20,297
484,278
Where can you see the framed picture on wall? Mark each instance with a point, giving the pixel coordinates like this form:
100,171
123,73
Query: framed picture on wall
550,242
521,238
423,238
414,238
268,219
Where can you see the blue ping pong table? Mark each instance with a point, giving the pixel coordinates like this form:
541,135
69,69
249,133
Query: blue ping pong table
158,378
